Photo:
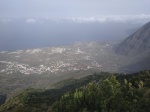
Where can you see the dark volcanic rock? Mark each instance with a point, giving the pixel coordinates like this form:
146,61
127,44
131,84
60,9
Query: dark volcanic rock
136,43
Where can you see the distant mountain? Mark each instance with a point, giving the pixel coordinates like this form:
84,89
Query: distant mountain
136,43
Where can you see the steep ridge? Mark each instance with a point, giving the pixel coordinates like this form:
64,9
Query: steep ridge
136,43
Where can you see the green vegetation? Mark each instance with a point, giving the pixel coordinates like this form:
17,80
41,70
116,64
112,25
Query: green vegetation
101,92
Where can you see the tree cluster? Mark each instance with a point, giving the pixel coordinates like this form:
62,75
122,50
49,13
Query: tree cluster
108,95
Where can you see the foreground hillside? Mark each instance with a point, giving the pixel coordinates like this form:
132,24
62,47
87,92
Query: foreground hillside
102,92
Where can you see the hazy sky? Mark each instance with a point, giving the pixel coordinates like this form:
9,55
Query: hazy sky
72,8
39,23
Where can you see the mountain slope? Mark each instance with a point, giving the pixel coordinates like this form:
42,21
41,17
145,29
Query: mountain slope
137,42
43,67
143,64
102,93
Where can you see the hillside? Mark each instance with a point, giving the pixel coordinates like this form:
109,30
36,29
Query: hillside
98,92
43,67
136,46
136,43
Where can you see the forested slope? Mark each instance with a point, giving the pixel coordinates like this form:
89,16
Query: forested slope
101,92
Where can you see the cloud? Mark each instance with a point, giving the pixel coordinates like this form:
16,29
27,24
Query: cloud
110,18
31,21
134,19
87,19
5,20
